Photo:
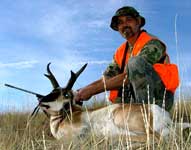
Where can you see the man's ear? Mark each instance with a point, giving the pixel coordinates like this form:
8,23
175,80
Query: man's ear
139,21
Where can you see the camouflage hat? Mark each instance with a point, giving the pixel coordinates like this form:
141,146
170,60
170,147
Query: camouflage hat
125,11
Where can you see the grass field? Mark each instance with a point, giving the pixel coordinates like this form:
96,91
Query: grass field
17,132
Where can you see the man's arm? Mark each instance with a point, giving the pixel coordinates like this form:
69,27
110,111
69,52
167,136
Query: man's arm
112,69
98,86
153,51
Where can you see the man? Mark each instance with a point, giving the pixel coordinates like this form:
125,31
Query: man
136,72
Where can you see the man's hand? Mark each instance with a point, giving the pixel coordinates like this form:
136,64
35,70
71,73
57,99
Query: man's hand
98,87
82,94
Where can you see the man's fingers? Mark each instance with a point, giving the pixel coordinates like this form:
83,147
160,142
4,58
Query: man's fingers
77,96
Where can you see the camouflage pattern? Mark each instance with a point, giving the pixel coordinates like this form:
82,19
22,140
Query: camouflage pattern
144,82
153,51
112,69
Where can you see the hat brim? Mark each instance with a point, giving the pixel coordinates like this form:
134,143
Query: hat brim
114,22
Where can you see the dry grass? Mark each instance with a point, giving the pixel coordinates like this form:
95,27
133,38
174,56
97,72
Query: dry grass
15,134
181,111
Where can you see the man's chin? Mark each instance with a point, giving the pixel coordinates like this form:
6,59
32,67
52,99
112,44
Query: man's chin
126,36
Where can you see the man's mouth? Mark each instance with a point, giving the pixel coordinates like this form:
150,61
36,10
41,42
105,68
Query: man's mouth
126,30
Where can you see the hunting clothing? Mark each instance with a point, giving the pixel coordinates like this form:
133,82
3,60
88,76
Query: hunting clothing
145,82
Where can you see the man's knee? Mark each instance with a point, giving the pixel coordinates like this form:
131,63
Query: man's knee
137,68
136,63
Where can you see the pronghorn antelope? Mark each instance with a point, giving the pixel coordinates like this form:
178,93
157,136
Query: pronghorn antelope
135,121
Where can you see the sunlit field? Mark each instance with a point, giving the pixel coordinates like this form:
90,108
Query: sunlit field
19,132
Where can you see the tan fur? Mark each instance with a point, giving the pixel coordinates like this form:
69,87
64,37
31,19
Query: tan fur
131,116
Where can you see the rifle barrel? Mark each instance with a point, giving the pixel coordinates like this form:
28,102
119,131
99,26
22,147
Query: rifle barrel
30,92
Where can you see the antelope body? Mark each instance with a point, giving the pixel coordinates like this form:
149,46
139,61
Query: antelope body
112,120
136,121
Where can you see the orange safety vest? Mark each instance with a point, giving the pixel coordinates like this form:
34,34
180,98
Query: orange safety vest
167,72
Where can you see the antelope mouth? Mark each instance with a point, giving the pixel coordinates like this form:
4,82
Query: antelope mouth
45,106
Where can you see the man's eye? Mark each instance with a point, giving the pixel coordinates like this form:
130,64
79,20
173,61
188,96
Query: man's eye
119,22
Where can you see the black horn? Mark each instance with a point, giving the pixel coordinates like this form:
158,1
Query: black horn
51,77
73,77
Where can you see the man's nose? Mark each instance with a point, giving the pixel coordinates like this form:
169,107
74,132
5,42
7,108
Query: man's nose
124,24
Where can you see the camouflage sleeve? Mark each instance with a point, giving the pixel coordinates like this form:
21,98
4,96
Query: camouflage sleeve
112,69
153,51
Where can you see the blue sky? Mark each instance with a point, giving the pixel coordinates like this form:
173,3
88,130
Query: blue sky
70,33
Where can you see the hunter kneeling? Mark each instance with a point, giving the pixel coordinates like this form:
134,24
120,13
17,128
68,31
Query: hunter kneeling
141,63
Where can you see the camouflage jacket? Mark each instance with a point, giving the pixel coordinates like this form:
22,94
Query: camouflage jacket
152,52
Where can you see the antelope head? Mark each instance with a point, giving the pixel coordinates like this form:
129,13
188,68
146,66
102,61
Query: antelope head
60,99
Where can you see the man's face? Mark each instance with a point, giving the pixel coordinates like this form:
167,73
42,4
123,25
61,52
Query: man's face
128,26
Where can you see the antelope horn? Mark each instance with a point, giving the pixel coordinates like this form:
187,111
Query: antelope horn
51,77
73,77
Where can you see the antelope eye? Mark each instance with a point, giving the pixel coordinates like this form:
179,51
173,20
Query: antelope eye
66,95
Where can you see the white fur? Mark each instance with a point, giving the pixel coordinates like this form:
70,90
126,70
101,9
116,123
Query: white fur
161,120
55,105
101,122
53,127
